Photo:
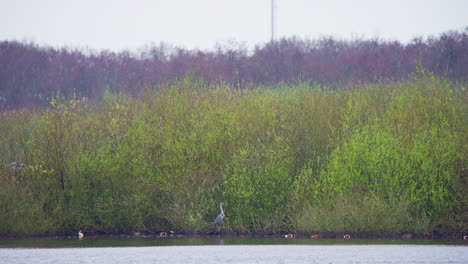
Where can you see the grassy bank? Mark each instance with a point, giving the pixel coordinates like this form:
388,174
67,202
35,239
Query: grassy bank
371,158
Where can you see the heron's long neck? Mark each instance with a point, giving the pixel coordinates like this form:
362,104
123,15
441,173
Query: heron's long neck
221,206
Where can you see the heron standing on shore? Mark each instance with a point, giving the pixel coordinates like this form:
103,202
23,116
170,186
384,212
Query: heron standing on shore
220,217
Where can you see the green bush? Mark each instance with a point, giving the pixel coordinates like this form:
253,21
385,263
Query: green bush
385,157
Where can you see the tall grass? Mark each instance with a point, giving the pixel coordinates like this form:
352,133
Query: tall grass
375,158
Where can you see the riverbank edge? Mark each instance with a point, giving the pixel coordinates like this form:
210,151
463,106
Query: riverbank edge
318,235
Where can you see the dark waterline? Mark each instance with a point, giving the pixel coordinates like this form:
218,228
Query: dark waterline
130,241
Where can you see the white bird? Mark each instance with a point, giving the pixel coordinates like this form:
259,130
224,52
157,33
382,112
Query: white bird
80,234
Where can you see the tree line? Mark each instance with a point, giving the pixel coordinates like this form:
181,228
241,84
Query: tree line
31,74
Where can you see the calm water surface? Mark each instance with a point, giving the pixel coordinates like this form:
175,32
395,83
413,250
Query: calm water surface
229,250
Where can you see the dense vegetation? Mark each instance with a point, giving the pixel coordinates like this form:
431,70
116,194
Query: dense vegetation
30,74
383,157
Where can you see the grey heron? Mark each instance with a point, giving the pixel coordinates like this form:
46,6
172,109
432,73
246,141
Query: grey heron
220,217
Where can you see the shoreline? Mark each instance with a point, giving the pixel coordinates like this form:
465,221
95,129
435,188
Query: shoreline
314,236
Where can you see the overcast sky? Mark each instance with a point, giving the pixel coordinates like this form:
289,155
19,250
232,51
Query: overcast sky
132,24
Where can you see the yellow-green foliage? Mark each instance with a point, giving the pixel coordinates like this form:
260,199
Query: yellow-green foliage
377,157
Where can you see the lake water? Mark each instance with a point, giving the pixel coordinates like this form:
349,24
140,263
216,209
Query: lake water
229,250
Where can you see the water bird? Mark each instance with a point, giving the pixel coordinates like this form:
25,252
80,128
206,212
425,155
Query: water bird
15,166
289,236
407,235
316,236
346,236
80,234
220,217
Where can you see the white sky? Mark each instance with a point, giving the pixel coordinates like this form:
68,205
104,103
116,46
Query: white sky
132,24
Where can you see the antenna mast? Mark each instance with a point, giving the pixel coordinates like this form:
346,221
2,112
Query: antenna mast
273,20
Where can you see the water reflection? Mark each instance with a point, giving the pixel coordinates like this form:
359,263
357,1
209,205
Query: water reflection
142,241
219,241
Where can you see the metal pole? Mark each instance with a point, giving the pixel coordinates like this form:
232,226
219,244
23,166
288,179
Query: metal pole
272,20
